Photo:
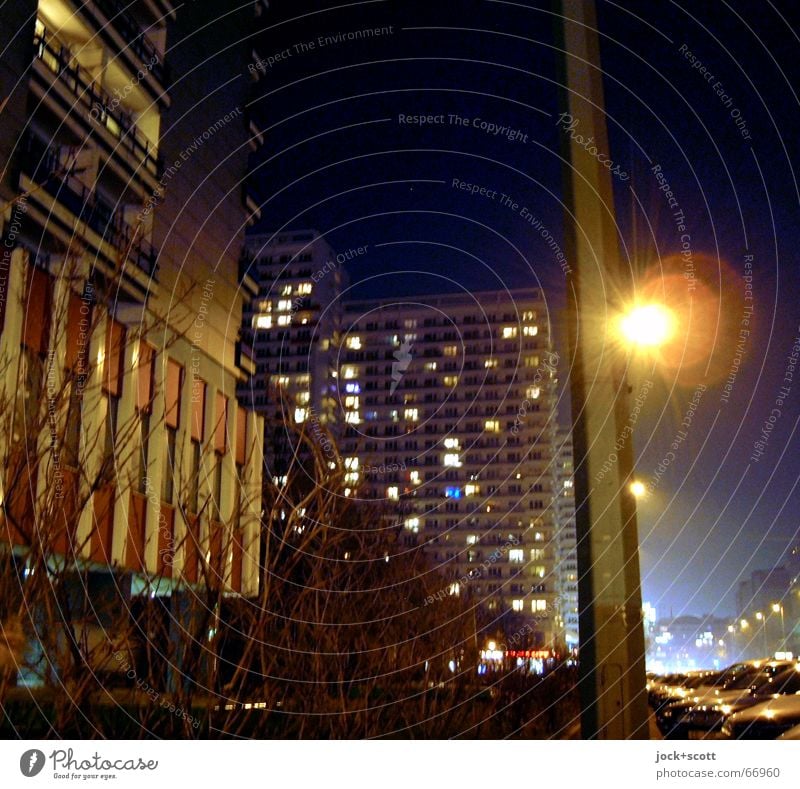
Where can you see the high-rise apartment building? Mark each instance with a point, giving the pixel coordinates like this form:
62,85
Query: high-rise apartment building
449,413
124,142
566,539
293,326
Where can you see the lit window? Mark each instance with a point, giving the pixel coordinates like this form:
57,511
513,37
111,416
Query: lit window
454,589
347,491
452,492
450,350
414,477
411,414
284,320
354,342
536,554
286,291
265,305
539,571
350,372
299,414
352,417
516,555
538,605
450,380
538,536
509,332
351,401
533,392
430,367
303,398
471,489
490,363
351,477
517,605
472,539
528,315
568,483
451,459
282,380
393,492
530,331
412,524
452,443
280,481
492,426
284,305
531,361
352,388
303,289
263,321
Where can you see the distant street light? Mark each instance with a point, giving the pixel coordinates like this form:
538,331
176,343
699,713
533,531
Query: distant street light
638,489
778,609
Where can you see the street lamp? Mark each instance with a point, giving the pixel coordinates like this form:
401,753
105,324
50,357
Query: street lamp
778,609
763,621
650,325
638,489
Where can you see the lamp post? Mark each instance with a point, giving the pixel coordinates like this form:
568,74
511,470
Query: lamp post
778,608
760,618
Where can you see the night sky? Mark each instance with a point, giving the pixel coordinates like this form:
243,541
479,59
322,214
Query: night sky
705,90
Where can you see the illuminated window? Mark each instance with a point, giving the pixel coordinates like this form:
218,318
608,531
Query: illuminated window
352,388
538,605
528,315
568,483
414,477
452,443
537,554
352,417
393,492
354,342
281,380
450,380
284,320
492,426
472,539
539,571
454,589
411,414
351,401
351,477
538,536
303,289
351,462
452,492
509,332
303,398
531,361
516,555
265,305
286,291
450,350
284,305
530,331
299,414
490,363
350,372
451,459
471,489
263,321
533,392
412,524
430,367
517,605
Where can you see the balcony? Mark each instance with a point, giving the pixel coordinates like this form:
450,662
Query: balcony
43,166
139,45
59,60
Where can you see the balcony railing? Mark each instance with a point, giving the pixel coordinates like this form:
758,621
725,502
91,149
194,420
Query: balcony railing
135,37
60,61
43,165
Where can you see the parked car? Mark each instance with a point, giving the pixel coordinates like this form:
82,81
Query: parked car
764,721
736,681
709,717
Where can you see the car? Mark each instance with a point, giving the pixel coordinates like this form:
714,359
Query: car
703,718
734,683
765,721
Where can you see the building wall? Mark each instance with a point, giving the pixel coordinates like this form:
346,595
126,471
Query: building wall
62,270
566,539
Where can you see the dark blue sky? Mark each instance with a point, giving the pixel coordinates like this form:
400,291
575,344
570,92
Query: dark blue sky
338,158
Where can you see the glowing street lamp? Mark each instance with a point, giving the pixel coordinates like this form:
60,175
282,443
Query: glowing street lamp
778,609
638,489
648,325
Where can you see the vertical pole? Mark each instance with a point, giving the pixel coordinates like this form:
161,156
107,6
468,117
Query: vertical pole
612,669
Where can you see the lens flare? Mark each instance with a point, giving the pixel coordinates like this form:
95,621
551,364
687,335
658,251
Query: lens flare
650,325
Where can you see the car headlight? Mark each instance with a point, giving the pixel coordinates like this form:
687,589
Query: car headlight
726,709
